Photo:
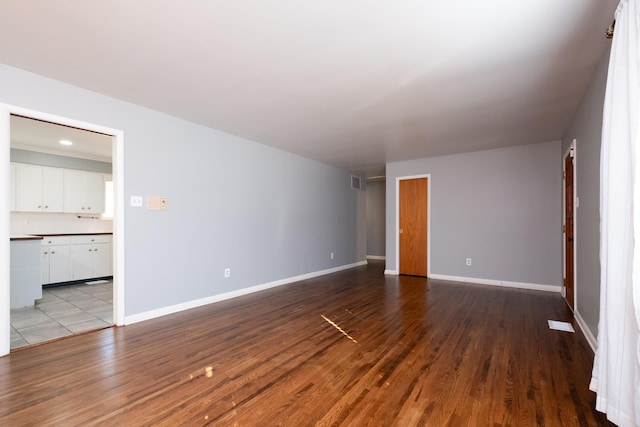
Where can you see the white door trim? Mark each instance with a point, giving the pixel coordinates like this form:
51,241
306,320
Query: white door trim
118,217
397,227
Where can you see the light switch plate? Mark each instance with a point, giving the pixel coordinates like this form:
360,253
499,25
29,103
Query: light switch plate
136,201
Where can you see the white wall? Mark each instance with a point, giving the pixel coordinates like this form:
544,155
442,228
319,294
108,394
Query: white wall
586,129
501,208
266,214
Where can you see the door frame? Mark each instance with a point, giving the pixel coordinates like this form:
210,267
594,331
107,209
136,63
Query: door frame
6,111
397,225
571,150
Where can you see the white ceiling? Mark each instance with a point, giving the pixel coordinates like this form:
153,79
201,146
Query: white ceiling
36,135
354,83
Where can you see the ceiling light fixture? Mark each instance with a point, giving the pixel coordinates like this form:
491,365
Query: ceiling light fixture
65,142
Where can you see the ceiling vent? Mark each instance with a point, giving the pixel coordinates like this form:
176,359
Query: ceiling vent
356,182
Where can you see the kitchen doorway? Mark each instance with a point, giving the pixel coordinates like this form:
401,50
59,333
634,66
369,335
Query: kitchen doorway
116,287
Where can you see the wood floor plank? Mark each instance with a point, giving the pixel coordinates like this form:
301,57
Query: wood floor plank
353,348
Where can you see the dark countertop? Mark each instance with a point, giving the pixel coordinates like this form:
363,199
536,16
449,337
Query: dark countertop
14,237
73,234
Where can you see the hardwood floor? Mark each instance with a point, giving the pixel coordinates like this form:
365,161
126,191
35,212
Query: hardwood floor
351,348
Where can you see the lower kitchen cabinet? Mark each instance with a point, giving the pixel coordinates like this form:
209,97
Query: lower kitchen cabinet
91,256
56,259
75,257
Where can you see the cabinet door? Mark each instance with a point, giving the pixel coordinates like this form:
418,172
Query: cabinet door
60,263
12,190
82,261
52,189
83,192
29,188
73,191
102,260
94,192
45,265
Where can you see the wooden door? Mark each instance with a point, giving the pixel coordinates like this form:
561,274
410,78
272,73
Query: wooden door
568,230
413,226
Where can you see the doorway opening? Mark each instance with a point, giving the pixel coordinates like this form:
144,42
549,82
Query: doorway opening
569,226
117,247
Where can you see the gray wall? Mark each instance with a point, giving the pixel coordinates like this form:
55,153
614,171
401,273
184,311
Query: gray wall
376,218
502,208
586,129
361,224
264,213
45,159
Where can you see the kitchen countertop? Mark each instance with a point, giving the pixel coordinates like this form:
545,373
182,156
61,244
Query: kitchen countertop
41,236
24,237
72,234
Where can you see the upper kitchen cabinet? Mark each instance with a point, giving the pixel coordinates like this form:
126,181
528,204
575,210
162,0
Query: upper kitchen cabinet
12,187
38,188
83,192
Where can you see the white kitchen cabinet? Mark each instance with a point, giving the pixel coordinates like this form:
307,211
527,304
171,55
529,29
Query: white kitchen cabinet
102,265
12,187
38,188
56,259
91,256
83,192
25,272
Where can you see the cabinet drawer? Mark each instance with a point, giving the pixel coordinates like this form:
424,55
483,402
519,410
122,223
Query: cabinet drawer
89,239
56,240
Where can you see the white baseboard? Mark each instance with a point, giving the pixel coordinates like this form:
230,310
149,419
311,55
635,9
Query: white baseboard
391,272
519,285
593,343
376,257
152,314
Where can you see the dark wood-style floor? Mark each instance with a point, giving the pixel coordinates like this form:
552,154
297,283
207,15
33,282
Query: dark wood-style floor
351,348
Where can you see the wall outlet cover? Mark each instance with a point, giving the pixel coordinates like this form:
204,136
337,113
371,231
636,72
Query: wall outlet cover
156,203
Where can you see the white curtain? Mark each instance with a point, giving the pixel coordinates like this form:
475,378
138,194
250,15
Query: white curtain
616,370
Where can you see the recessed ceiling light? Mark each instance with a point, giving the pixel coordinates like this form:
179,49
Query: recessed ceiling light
65,142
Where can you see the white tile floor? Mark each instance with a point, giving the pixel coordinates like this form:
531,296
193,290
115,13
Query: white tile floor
63,310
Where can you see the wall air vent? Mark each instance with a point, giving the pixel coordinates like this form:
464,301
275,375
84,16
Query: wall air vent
356,182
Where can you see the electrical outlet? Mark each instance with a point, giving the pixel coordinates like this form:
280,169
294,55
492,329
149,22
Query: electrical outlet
155,203
331,255
227,273
468,261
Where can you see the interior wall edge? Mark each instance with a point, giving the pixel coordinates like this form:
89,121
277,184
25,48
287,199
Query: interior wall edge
591,339
5,275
